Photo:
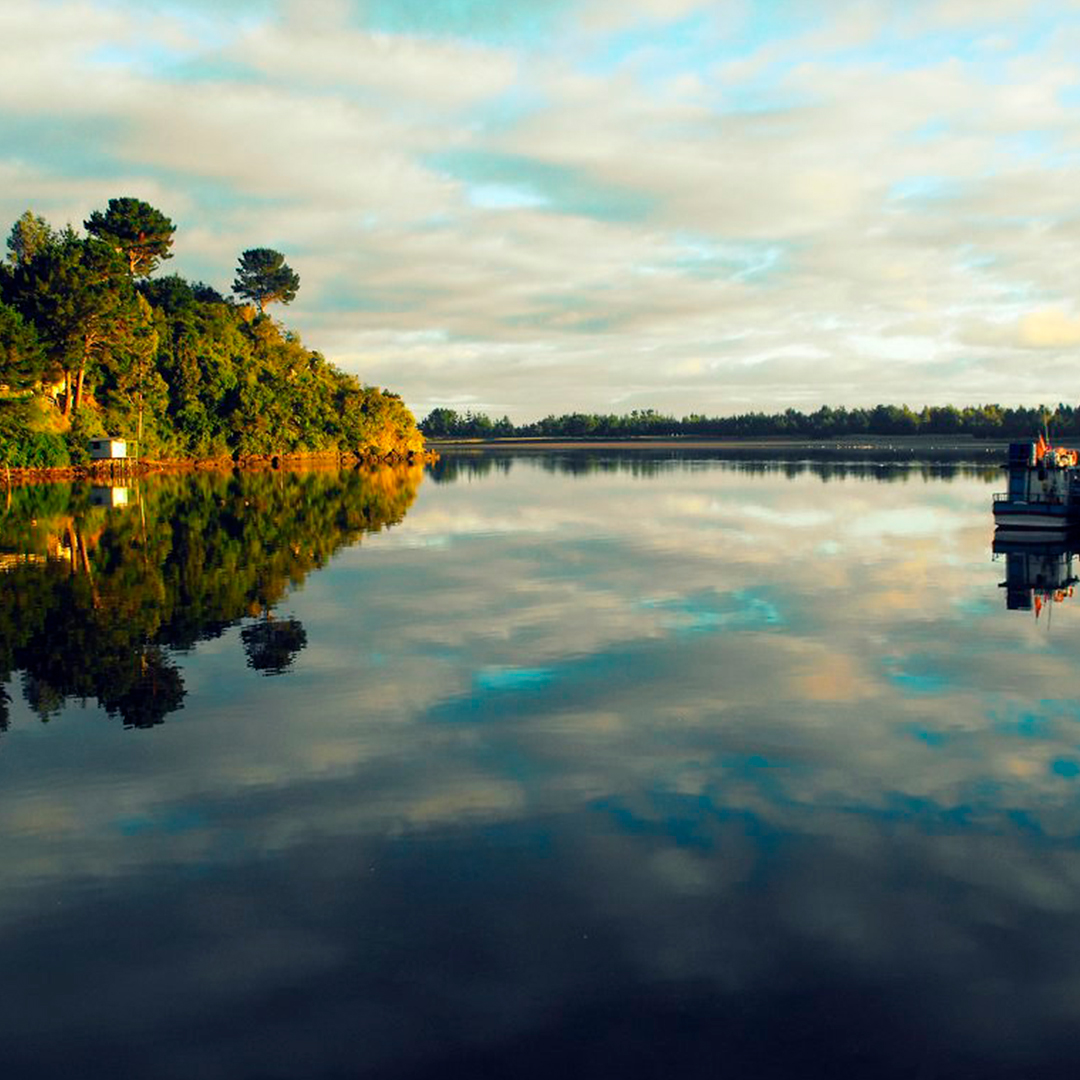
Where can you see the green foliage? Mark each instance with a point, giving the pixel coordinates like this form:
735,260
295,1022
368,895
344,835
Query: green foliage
23,447
84,427
137,231
263,276
29,236
22,360
170,364
78,295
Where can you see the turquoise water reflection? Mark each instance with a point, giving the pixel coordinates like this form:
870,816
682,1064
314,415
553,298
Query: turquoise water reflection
662,765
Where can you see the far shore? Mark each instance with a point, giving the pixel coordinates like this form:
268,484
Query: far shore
928,448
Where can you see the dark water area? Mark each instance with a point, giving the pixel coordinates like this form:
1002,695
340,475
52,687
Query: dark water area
583,763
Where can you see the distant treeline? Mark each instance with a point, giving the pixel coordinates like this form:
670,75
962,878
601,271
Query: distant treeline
980,421
90,345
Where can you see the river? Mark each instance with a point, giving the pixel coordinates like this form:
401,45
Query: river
581,764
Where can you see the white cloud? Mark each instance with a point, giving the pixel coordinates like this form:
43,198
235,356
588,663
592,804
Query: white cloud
850,242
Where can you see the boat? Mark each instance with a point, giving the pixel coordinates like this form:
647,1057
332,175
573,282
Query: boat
1044,488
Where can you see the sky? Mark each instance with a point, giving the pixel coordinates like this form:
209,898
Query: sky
531,206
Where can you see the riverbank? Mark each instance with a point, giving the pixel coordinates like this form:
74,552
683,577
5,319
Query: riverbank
119,469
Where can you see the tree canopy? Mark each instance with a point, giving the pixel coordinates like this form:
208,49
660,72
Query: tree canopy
135,229
263,277
29,236
22,361
90,345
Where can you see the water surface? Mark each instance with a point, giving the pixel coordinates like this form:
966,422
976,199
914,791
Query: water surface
655,766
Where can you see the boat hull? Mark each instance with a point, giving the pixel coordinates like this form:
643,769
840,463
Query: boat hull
1043,517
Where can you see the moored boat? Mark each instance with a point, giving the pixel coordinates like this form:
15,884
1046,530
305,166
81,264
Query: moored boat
1044,488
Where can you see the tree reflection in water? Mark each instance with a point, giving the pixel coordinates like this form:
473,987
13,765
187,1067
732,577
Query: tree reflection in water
96,601
646,463
271,646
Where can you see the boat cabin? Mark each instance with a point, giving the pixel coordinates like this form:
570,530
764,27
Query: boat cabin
1044,488
107,449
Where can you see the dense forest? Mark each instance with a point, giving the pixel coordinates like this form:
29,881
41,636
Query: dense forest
91,344
97,601
982,421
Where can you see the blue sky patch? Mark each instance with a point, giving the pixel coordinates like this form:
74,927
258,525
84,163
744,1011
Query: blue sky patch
704,257
512,678
705,612
931,738
521,22
559,188
925,683
924,189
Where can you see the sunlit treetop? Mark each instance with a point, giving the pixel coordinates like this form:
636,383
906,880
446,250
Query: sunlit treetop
29,236
263,276
138,231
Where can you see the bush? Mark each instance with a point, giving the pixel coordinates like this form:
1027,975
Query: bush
33,450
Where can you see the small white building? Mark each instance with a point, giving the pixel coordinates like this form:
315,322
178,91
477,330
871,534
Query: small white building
107,449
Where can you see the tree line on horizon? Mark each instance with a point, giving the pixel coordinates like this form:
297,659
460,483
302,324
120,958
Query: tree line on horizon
92,345
979,421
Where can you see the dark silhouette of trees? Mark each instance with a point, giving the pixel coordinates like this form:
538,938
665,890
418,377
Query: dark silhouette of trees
272,645
980,421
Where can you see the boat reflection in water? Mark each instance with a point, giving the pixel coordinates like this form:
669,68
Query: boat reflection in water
1038,568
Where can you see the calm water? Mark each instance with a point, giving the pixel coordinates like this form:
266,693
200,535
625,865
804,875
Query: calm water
552,765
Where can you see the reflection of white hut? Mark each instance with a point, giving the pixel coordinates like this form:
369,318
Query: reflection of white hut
107,448
111,497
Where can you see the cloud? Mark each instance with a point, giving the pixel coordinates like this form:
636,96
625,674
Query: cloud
399,68
1049,329
1046,328
549,210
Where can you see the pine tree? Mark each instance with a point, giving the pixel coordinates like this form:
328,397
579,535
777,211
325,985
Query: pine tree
263,276
136,230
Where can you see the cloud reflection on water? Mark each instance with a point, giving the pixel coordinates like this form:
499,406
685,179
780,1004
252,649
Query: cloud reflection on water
659,742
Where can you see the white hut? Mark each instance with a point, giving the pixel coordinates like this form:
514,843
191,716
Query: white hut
107,449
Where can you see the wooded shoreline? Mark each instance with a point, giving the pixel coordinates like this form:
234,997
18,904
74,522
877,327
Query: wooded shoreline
92,347
887,448
122,468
